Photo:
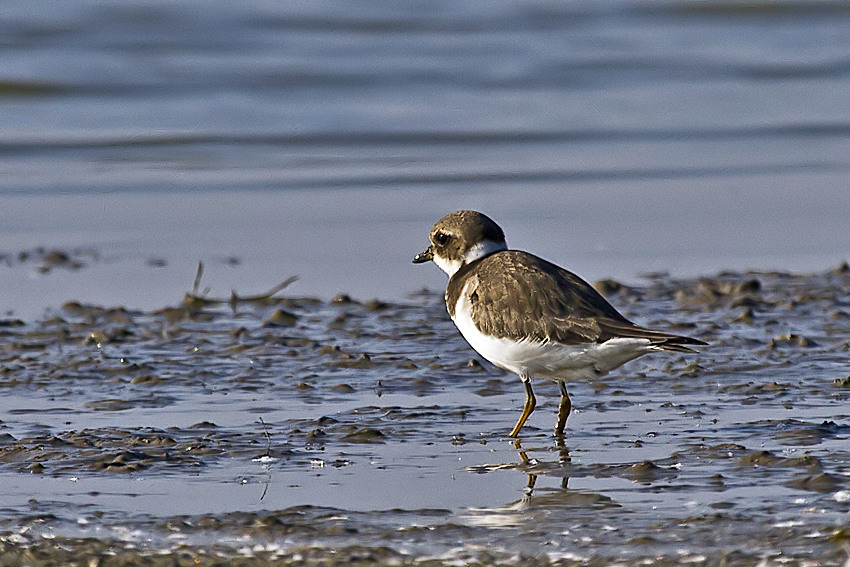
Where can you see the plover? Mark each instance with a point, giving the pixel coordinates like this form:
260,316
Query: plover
531,317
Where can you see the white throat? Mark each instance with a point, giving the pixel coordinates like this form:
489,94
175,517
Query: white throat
483,248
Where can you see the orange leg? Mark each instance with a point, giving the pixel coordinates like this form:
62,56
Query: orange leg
530,402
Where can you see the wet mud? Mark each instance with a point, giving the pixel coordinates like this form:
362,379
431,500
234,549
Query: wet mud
267,428
46,260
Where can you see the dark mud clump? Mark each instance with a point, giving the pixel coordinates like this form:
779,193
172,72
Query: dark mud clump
46,260
266,428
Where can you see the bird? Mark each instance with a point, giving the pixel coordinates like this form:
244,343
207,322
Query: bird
531,317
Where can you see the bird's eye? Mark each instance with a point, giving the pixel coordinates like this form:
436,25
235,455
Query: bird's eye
441,238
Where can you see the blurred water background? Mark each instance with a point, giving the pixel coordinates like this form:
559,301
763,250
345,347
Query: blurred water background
324,138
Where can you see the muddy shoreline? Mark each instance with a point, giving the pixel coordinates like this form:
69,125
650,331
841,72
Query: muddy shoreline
296,430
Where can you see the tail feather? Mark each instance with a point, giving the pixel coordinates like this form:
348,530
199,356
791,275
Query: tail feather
664,341
678,347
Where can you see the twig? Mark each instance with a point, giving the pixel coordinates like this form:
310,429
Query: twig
197,300
268,454
198,275
268,439
236,300
263,296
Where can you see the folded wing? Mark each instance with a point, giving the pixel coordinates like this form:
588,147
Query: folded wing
518,295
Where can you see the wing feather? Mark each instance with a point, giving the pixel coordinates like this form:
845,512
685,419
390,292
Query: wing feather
518,295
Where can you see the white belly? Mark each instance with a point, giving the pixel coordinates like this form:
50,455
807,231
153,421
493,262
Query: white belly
550,360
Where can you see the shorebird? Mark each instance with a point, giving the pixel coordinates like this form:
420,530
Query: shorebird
531,317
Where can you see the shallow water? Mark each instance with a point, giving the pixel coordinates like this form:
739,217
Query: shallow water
330,431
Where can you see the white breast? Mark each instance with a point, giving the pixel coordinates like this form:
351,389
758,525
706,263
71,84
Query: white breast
546,359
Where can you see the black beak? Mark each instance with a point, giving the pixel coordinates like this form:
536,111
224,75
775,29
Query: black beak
424,256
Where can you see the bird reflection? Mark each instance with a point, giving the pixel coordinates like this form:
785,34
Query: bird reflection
529,463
